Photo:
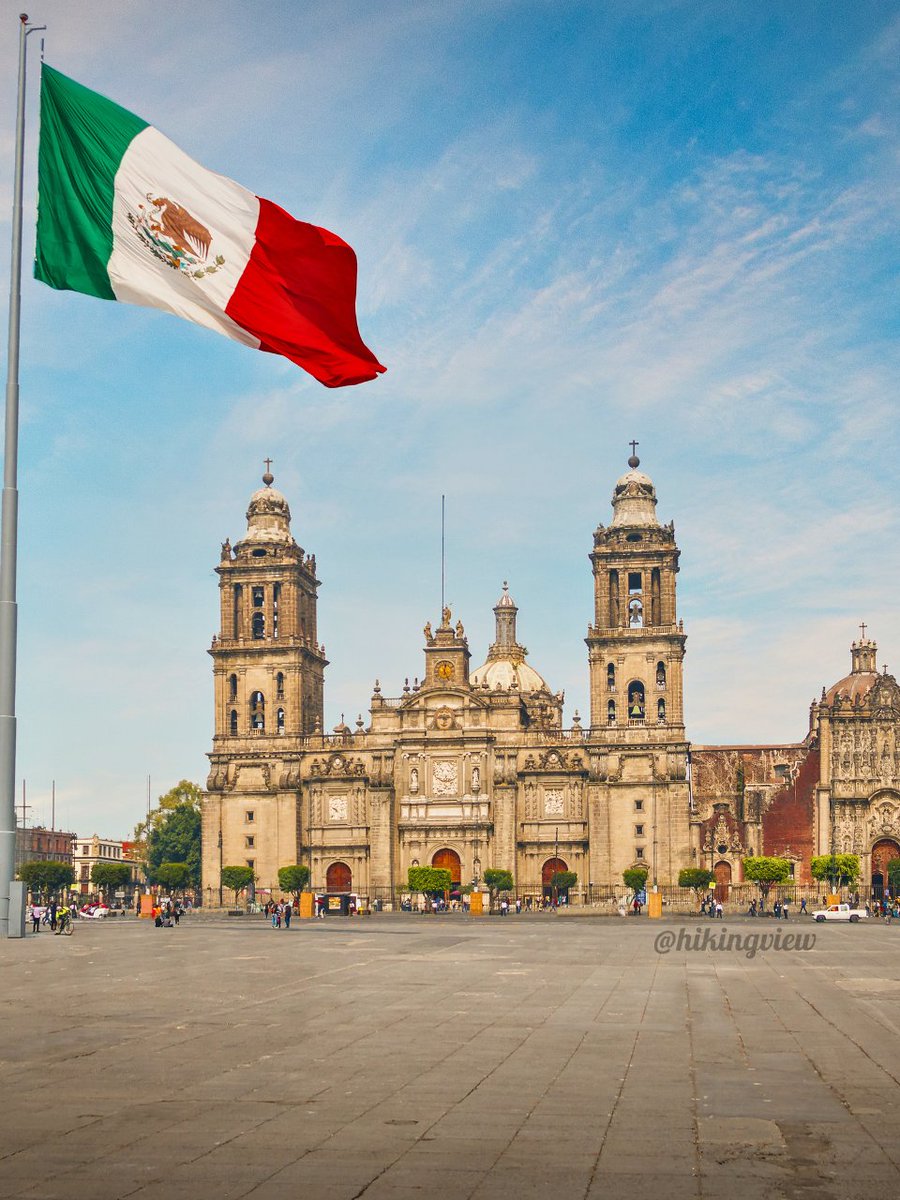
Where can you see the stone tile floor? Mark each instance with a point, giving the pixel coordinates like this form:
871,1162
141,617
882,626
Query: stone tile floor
403,1057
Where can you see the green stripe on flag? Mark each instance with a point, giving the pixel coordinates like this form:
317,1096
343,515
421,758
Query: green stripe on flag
83,139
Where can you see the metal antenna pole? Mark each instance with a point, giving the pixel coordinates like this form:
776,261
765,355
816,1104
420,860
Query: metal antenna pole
443,498
9,519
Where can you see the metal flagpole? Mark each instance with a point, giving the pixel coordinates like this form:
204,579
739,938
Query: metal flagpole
9,519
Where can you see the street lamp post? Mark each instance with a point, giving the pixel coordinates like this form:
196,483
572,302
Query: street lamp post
220,861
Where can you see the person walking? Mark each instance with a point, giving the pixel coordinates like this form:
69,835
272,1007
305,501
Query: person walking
719,909
802,905
35,918
784,909
288,913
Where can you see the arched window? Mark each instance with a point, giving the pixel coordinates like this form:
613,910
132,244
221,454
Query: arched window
259,625
257,711
232,687
635,614
232,722
611,712
660,674
635,701
276,596
279,720
279,685
661,711
611,677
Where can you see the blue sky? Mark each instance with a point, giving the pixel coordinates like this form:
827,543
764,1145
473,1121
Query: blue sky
576,224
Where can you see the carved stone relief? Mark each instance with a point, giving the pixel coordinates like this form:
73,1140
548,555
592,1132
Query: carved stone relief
554,802
445,778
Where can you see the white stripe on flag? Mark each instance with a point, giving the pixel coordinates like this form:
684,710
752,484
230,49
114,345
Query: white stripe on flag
201,216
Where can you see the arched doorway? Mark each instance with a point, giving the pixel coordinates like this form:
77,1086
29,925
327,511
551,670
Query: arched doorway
338,878
883,852
548,870
722,871
448,860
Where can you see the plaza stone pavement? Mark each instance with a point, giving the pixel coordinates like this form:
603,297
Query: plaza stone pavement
403,1056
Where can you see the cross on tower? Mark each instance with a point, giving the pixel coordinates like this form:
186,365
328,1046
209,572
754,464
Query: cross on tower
862,629
268,463
634,446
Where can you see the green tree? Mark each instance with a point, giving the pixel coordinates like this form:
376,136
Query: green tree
294,878
563,880
175,876
175,839
110,877
764,871
236,879
46,876
183,793
430,881
697,879
840,869
498,881
893,874
635,878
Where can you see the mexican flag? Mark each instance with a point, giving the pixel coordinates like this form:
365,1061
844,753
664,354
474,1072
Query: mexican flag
123,214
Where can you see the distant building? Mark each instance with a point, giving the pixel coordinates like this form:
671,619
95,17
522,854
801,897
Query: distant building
92,850
40,844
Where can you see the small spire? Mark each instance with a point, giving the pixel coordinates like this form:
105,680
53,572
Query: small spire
634,462
268,478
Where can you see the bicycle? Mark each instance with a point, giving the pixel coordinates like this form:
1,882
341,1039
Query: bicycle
64,925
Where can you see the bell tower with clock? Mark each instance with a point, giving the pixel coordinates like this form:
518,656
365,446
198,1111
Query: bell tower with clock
446,654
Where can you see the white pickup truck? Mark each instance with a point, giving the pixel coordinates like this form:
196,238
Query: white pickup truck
840,912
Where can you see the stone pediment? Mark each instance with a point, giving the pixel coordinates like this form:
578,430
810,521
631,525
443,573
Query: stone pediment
337,766
553,761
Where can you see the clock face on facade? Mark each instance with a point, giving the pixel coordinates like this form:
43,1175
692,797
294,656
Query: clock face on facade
444,670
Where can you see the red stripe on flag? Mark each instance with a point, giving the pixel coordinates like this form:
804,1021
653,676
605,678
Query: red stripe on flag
298,296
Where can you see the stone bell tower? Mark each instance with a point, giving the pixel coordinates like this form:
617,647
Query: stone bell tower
640,802
636,642
268,671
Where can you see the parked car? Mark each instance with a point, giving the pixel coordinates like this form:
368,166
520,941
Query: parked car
840,912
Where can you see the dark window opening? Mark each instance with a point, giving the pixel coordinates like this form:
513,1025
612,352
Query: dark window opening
258,596
636,701
279,685
259,554
257,711
661,711
639,831
233,723
232,685
638,806
611,712
660,674
634,582
259,625
276,596
279,720
611,678
613,599
639,852
633,537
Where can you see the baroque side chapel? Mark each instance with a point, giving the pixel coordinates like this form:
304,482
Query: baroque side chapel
470,769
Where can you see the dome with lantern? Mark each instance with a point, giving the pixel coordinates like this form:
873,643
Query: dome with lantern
505,667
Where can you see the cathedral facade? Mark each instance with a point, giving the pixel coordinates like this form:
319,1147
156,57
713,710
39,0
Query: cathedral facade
474,768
